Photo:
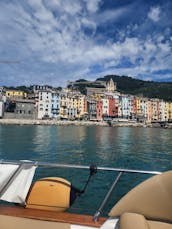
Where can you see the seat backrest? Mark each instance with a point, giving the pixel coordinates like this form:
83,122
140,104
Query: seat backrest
152,198
50,193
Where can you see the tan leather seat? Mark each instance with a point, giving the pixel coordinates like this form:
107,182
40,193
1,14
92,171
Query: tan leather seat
11,222
151,200
137,221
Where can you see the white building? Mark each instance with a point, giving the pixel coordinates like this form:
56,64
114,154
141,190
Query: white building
105,106
1,109
163,110
44,104
126,106
144,108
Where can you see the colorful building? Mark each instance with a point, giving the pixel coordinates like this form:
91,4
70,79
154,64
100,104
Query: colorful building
170,111
92,109
44,104
82,106
105,108
99,110
63,105
113,110
126,106
15,94
55,105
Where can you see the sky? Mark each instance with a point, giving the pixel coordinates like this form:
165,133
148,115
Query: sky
54,41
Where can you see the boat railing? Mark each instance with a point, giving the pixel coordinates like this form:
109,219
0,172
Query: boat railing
120,172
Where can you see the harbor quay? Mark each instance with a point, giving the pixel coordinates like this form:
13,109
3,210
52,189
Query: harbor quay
76,123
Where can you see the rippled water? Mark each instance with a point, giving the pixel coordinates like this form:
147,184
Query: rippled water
135,148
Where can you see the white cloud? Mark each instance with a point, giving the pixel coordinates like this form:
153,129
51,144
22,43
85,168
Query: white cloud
93,5
53,42
154,14
70,7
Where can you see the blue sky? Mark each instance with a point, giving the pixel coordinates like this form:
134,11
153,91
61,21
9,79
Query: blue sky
53,41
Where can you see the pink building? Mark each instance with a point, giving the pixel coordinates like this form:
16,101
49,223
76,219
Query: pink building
99,109
113,109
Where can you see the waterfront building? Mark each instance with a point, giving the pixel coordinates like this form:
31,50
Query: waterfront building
134,107
126,106
25,109
113,109
143,109
99,110
117,104
155,110
72,107
120,107
149,111
92,111
63,105
2,92
163,113
81,106
2,95
170,111
1,109
105,107
15,94
44,104
55,105
71,113
2,101
138,109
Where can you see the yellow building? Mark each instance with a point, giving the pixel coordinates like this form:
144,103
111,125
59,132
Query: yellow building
170,110
149,111
63,105
15,94
82,106
138,109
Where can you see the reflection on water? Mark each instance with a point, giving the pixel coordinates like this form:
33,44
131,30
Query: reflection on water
136,148
142,148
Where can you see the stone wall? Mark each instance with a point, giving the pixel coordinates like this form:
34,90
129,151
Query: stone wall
10,115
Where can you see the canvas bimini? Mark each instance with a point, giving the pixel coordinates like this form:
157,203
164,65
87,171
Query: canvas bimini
44,203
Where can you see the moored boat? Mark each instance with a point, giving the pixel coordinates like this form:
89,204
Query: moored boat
45,202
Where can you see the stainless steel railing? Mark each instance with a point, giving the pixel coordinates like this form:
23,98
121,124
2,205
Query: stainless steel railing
56,165
120,171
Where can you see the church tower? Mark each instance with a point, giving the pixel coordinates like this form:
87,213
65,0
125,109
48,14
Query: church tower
111,86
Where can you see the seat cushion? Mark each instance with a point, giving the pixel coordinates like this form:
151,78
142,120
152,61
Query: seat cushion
11,222
137,221
133,221
159,225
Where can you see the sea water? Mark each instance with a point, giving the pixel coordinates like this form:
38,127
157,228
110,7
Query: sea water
122,147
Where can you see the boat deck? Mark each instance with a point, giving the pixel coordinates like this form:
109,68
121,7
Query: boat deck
62,217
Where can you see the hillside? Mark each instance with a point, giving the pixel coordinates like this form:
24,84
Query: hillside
148,89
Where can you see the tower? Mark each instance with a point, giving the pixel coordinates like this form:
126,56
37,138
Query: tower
111,86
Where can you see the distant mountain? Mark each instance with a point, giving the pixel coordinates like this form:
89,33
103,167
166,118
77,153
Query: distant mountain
150,89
